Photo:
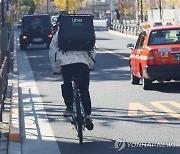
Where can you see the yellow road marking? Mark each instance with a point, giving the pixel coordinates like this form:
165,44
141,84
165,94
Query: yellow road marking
134,107
159,105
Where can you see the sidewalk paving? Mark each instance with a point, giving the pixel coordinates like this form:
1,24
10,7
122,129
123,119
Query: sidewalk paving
4,125
9,144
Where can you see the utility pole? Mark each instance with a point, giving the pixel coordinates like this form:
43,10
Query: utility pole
142,11
67,8
160,9
111,9
2,12
47,6
138,12
7,5
8,13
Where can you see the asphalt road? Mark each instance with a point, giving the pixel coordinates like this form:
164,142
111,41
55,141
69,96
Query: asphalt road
127,118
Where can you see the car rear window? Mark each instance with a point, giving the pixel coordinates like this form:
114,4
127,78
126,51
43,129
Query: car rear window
34,21
163,37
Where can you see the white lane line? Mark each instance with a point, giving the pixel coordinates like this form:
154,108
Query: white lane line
108,51
37,134
123,35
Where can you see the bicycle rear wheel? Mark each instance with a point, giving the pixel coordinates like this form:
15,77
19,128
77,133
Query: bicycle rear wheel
78,117
80,132
79,123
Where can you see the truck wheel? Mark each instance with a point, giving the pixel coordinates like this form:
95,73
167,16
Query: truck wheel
134,80
22,44
147,84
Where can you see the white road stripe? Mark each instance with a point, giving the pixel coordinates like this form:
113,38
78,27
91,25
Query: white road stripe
123,35
108,51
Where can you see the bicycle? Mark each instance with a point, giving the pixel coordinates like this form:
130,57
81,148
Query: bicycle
78,114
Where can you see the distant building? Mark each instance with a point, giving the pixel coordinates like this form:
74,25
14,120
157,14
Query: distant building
169,16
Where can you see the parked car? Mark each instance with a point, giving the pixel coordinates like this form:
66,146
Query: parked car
156,56
35,29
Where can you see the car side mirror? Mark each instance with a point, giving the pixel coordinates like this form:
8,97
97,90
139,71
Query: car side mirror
130,46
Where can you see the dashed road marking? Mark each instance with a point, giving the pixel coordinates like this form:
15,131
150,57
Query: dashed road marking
161,105
135,107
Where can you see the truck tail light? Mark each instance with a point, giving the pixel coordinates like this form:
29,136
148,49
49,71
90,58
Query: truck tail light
50,35
24,37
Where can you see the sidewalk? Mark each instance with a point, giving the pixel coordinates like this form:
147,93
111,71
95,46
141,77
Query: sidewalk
4,125
10,142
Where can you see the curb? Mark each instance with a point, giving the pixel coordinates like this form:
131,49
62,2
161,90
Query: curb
14,144
14,130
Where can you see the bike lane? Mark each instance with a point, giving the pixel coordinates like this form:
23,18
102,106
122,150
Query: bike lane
36,134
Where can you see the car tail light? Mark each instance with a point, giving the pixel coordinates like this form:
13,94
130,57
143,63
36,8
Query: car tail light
151,59
36,19
50,35
25,37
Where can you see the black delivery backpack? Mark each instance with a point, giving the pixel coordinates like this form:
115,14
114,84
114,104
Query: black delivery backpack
76,32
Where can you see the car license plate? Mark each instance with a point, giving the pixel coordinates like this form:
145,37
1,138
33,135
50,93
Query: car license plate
176,56
37,39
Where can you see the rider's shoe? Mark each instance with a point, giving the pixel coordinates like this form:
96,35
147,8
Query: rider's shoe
67,113
89,124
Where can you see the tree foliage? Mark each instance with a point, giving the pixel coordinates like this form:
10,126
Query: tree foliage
62,5
27,6
38,2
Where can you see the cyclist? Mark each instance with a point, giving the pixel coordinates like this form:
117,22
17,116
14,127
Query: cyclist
73,64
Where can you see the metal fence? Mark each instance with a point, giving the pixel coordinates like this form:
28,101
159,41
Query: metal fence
4,70
127,29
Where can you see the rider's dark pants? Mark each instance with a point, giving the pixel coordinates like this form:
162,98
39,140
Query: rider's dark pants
77,70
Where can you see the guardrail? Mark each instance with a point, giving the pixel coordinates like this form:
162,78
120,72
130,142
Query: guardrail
3,85
4,73
127,29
